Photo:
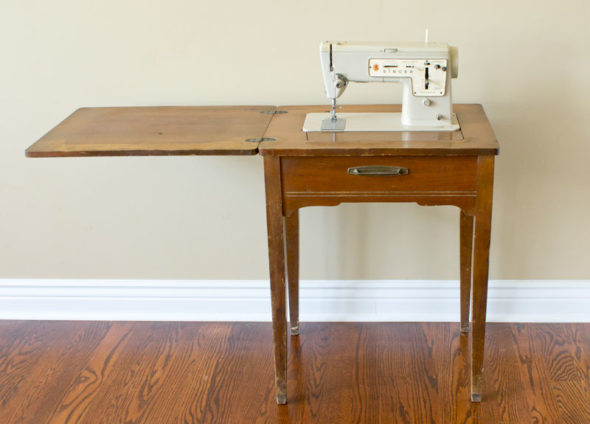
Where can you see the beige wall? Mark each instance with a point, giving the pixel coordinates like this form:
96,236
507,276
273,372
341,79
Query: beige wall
526,61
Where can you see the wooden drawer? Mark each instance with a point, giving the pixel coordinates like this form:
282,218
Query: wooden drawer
302,175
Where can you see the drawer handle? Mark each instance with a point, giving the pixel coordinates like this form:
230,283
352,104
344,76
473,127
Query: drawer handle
378,170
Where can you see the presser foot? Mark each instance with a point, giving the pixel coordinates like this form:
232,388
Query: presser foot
330,124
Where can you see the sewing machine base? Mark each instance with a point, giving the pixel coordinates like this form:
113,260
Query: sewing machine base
371,122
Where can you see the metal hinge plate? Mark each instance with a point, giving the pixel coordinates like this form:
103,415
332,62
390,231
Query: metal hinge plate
274,112
259,139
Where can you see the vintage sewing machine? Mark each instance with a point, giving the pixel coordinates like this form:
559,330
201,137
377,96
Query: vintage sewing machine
424,69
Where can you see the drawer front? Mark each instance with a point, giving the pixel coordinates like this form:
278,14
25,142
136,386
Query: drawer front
303,175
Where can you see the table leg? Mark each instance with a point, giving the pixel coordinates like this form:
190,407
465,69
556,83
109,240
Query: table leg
292,248
466,237
481,250
276,252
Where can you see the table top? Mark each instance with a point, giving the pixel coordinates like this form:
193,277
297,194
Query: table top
223,130
475,137
156,131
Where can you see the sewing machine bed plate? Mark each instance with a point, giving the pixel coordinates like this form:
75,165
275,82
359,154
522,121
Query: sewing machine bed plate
371,121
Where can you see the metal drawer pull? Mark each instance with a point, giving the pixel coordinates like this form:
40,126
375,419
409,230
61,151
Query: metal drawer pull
378,170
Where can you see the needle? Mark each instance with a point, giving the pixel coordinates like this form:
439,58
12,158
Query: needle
333,111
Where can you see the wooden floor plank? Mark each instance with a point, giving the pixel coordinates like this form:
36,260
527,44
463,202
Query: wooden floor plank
504,378
78,397
38,361
99,372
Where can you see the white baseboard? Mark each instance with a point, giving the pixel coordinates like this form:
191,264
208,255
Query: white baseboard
249,300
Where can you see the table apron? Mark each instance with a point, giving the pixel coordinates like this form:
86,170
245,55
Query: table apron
329,181
466,201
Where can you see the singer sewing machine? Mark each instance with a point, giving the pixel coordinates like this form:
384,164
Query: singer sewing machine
424,70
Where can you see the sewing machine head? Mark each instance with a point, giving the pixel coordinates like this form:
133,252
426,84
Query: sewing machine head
424,70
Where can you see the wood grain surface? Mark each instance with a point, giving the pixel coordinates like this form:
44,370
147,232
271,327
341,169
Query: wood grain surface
479,270
99,372
465,258
330,174
475,137
277,262
292,256
222,130
156,131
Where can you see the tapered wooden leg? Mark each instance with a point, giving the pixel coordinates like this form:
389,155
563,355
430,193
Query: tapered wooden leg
276,252
466,237
481,250
292,248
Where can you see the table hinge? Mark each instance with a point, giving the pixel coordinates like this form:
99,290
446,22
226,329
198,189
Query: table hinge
274,112
260,139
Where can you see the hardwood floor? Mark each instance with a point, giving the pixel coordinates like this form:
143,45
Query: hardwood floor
103,372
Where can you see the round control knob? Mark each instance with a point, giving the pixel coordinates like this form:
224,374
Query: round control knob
340,82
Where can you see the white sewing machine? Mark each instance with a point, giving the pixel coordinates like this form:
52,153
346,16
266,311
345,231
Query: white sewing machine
424,69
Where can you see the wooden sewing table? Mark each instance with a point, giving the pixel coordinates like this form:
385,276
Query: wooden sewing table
318,169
